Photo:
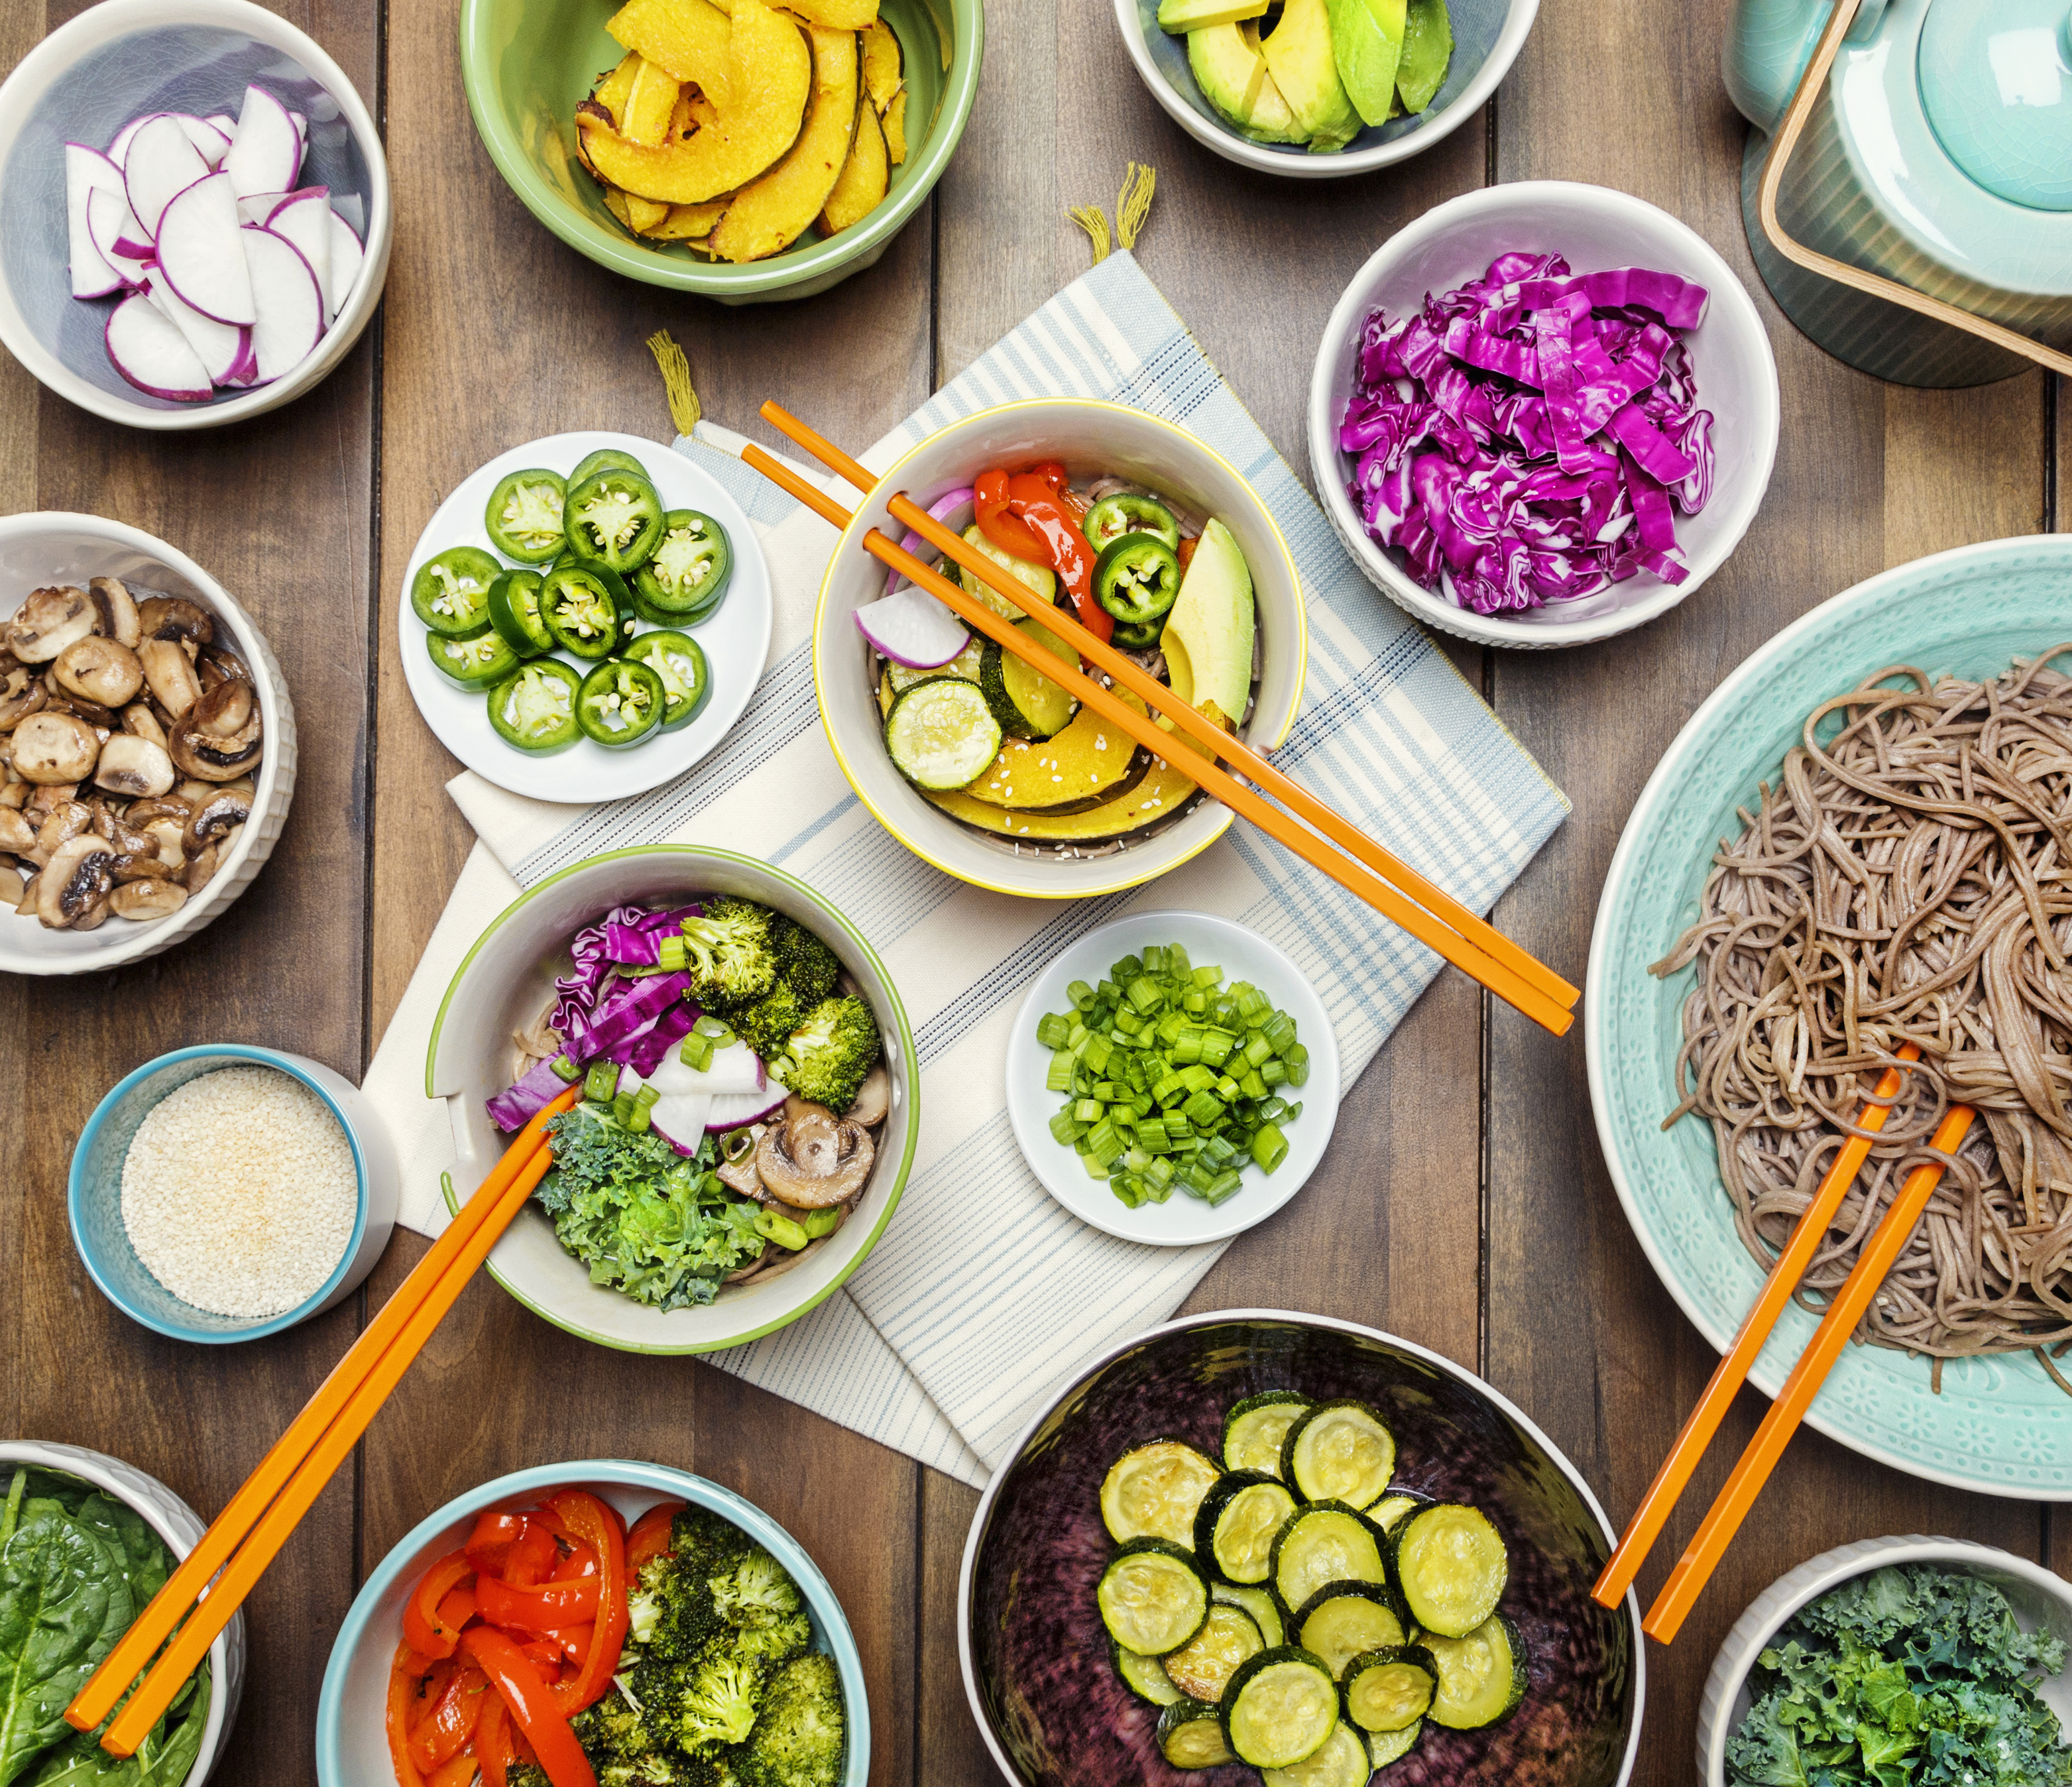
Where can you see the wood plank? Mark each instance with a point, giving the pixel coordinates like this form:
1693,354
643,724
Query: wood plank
1579,1331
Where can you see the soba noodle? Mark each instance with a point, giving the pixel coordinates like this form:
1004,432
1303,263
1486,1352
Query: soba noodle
1910,880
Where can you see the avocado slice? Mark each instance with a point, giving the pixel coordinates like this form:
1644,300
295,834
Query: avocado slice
1300,56
1181,16
1232,75
1428,47
1366,44
1207,640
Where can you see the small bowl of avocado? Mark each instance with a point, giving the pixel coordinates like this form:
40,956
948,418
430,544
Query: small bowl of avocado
1315,89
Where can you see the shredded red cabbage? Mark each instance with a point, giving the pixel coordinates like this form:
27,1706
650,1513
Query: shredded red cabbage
1527,437
517,1105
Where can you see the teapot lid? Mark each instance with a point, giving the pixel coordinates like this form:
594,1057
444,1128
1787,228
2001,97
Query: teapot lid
1996,82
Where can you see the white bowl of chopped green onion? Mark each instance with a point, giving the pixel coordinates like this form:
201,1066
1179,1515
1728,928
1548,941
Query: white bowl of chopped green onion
1172,1079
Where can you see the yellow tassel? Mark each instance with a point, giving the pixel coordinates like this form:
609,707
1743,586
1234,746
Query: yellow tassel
1094,221
683,408
1133,205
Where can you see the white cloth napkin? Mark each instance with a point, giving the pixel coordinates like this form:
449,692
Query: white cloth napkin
984,1294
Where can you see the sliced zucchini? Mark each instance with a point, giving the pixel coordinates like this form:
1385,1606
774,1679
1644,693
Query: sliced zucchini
1156,1490
1254,1429
1344,1619
1387,1689
1280,1708
899,678
941,733
1261,1604
1482,1677
1144,1676
1235,1527
1191,1736
1040,578
1339,1451
1152,1597
1202,1667
1341,1760
1324,1542
1451,1565
1391,1507
1383,1748
1026,703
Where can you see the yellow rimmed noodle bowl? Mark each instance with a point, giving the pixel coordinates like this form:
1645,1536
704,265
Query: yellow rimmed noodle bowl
1091,438
527,63
506,980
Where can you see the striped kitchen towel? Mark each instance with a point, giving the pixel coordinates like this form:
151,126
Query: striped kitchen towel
983,1294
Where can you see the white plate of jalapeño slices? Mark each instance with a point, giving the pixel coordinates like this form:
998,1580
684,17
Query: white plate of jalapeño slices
585,617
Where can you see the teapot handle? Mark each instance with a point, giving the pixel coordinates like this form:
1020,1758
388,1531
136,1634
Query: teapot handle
1812,84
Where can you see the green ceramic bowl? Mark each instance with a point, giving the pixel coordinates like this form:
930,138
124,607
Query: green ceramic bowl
1999,1425
527,63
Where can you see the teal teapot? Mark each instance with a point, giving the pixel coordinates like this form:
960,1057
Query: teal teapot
1907,187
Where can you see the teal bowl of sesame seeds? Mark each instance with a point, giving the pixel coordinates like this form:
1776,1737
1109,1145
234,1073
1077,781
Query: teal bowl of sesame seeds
226,1191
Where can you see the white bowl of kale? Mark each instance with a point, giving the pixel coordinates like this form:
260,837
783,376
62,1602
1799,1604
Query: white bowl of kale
687,1226
1928,1661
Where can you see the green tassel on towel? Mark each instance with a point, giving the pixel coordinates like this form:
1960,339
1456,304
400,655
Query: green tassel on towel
683,407
1133,208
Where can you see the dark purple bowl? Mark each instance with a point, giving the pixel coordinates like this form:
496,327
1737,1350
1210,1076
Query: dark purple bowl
1036,1659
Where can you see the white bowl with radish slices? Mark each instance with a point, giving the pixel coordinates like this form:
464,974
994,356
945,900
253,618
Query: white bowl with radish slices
194,220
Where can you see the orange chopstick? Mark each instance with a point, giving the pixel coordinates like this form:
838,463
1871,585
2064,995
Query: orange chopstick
1205,732
1675,1476
391,1340
1464,956
1716,1531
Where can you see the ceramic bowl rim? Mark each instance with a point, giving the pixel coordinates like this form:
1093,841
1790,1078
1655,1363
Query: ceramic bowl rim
1263,730
1093,1367
901,1023
1215,134
667,1480
76,1190
1628,211
726,280
50,57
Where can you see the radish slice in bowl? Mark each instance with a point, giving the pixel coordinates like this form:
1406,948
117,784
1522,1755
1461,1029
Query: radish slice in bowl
88,172
266,152
160,165
213,143
118,238
745,1107
347,253
912,628
222,347
288,307
305,218
149,350
200,254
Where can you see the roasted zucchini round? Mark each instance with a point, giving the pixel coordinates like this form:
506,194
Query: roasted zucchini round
1144,1676
1451,1565
1390,1509
1340,1760
1280,1708
1383,1748
1254,1429
1482,1677
1154,1491
1262,1604
1388,1688
1343,1618
1191,1736
1234,1528
1202,1667
1324,1542
1339,1451
1152,1596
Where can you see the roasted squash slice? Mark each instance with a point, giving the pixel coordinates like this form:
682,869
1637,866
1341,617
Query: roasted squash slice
881,65
690,39
772,212
864,176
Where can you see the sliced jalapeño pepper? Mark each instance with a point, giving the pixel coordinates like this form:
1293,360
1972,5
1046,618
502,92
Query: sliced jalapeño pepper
514,611
690,569
621,702
450,593
1136,637
1113,516
605,459
614,518
1138,578
678,660
535,709
525,515
473,662
586,609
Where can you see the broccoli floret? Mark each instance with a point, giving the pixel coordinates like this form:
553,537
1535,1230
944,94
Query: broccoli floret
526,1774
804,963
757,1588
800,1740
669,1610
768,1024
625,1746
730,955
705,1544
825,1059
722,1693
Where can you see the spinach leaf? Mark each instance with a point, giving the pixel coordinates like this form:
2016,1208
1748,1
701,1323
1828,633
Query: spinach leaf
164,1758
64,1599
123,1530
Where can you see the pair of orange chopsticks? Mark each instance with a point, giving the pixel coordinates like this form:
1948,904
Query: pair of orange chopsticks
248,1534
1392,887
1745,1483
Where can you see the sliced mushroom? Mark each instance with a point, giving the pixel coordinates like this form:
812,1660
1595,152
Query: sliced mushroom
145,867
48,622
114,826
740,1176
31,889
151,898
105,670
52,748
214,819
46,797
77,878
227,664
21,693
16,835
171,678
222,738
134,767
92,916
116,609
13,793
175,617
169,836
198,872
139,720
67,820
873,1097
813,1159
64,700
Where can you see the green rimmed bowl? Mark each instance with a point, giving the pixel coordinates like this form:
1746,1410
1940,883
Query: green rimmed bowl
526,64
1999,1425
502,986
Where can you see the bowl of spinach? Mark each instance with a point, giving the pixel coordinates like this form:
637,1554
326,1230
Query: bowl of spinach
85,1542
1896,1662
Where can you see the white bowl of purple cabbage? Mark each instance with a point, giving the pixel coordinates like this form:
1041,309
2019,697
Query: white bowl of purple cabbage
1543,414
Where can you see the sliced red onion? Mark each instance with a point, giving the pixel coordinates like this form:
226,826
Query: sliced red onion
944,509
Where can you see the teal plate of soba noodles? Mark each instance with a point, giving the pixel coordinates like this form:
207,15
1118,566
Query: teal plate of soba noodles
1760,959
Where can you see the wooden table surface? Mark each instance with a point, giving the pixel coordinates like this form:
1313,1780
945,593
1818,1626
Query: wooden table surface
1466,1178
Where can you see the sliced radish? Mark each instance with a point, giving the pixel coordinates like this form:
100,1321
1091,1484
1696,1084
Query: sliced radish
304,218
224,122
88,172
118,150
214,144
264,151
258,207
911,628
198,251
301,130
746,1107
160,164
285,295
736,1071
117,236
246,371
222,347
347,253
681,1121
150,353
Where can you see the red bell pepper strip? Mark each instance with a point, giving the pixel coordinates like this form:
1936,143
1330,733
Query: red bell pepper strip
536,1611
1186,554
1011,535
575,1641
650,1536
1066,547
577,1562
458,1609
444,1733
532,1704
402,1704
597,1525
533,1555
546,1656
489,1545
422,1628
456,1771
492,1741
